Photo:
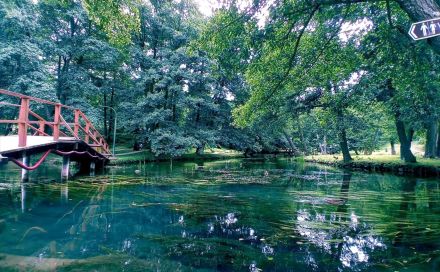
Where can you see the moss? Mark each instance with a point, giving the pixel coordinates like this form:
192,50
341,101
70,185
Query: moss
119,263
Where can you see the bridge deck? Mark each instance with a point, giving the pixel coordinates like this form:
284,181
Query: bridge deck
10,143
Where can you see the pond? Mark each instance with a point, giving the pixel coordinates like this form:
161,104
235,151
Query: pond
234,215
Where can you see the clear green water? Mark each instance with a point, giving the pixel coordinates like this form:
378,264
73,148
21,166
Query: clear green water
237,215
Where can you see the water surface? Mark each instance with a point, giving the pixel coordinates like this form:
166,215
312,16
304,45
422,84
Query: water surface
236,215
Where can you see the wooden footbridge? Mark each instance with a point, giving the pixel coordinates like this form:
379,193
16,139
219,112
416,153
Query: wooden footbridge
66,131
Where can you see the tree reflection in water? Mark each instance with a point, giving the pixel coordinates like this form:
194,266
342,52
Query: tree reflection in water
340,234
234,219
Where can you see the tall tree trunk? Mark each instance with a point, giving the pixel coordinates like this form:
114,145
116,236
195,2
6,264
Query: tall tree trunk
323,145
291,144
174,113
405,143
438,142
344,146
112,116
197,120
393,147
200,149
301,133
419,10
8,129
105,116
342,134
58,91
431,139
62,90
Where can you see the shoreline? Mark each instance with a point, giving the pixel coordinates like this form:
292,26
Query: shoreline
397,168
188,157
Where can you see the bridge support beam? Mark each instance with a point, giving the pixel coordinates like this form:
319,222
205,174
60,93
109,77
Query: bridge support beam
65,169
92,168
25,173
88,167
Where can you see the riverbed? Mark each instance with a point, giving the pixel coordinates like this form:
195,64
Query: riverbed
231,215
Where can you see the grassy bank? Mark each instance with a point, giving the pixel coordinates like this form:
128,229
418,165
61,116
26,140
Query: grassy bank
381,163
125,156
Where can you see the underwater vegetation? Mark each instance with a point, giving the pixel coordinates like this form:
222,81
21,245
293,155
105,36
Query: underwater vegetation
234,215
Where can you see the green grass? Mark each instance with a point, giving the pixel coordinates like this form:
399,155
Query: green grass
375,158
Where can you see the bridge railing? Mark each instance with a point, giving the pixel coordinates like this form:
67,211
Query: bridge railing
81,128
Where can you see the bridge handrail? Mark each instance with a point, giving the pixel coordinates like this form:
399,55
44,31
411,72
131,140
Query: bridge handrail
90,132
39,100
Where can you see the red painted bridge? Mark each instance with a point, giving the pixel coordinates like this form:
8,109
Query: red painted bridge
66,131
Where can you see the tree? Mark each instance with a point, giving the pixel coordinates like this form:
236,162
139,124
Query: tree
21,59
171,106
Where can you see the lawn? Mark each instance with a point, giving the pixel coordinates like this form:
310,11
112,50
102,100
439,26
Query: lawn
126,155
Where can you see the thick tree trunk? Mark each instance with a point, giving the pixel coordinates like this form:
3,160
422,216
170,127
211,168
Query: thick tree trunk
393,147
438,142
405,143
105,117
344,146
112,116
8,129
342,134
200,149
58,91
419,10
301,133
431,139
323,146
291,144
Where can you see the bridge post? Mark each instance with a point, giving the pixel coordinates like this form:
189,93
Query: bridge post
24,172
23,198
56,122
92,168
23,117
76,125
65,168
64,193
42,123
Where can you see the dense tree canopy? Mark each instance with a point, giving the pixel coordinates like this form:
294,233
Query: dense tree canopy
323,76
348,63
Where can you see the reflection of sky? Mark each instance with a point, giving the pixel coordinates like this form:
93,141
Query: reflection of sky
355,249
327,232
228,225
81,222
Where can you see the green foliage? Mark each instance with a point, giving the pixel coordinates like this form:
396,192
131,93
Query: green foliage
269,76
306,65
21,68
118,18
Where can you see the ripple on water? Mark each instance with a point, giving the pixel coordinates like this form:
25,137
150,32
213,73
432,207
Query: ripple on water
230,216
